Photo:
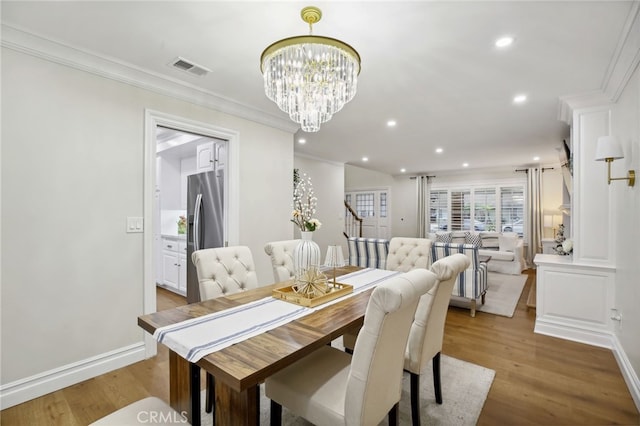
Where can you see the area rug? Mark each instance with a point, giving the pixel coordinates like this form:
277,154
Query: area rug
503,293
465,387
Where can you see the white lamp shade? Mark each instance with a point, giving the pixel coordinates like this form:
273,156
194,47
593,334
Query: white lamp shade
335,258
548,221
608,147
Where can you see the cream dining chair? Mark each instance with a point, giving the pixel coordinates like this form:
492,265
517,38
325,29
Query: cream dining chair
222,271
281,255
427,330
330,387
405,254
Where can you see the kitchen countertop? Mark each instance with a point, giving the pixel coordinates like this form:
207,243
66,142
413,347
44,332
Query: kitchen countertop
175,236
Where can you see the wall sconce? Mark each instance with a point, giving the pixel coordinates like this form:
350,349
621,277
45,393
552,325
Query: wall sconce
609,149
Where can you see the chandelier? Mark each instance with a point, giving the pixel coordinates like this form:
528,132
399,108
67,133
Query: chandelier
310,77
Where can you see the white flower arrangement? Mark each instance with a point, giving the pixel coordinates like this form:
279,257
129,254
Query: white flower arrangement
304,205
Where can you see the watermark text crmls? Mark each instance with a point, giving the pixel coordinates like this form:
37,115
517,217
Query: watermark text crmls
160,417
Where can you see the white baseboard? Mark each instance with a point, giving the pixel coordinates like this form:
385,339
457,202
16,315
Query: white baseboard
22,390
630,376
567,332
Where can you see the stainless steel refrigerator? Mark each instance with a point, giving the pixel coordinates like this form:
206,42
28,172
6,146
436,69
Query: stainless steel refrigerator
205,221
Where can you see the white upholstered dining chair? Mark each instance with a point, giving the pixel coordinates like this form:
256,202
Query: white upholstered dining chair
222,271
427,330
331,387
281,255
405,254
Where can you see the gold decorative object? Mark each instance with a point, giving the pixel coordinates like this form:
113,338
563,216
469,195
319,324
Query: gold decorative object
289,295
311,283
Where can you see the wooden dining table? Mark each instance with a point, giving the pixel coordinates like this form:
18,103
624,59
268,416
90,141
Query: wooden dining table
240,368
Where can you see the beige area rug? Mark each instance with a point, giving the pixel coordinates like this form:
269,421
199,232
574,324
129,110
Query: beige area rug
503,293
465,387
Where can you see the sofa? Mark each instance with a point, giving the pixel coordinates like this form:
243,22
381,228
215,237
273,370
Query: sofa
471,283
368,252
505,248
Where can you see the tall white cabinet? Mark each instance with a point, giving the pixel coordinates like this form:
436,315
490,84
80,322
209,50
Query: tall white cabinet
575,294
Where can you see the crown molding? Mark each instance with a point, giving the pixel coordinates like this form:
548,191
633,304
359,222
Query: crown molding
40,47
314,158
567,104
624,63
626,57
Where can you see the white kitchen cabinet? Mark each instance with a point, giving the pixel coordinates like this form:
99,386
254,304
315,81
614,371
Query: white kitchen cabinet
205,157
174,264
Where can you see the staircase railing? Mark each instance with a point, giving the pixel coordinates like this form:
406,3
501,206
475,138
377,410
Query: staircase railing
352,223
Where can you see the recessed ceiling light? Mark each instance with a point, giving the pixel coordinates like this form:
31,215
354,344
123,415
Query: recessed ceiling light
504,41
365,159
518,99
403,170
391,123
302,140
439,150
465,164
536,158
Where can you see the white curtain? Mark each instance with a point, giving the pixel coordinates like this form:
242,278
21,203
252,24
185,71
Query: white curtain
422,197
534,213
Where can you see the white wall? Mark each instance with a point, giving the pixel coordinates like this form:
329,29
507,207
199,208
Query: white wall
626,200
402,193
328,185
72,171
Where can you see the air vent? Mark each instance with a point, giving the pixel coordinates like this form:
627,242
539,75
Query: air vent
189,66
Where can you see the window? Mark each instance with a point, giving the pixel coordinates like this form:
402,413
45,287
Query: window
492,207
365,205
383,204
460,210
512,209
484,207
439,210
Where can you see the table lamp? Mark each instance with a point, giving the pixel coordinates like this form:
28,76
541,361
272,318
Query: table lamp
334,259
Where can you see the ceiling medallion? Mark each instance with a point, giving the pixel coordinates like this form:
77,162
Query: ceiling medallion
310,77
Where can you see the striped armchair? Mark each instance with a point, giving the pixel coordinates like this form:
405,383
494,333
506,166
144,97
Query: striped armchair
471,283
368,252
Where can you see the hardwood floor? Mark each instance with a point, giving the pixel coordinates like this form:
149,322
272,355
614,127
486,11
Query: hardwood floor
539,380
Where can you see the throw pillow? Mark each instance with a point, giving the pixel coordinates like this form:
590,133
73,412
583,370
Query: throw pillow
473,238
443,237
508,242
490,240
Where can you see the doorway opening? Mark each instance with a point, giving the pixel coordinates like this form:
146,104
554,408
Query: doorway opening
155,123
182,159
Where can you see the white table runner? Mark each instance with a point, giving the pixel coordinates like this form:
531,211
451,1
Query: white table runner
195,338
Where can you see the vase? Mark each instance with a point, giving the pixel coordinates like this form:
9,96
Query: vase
306,255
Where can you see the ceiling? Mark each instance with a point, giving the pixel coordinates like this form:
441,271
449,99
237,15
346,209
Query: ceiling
430,65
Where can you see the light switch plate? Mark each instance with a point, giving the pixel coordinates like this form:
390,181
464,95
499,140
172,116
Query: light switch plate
135,224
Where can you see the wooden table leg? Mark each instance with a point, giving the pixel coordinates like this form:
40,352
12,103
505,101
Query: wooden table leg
184,380
237,408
